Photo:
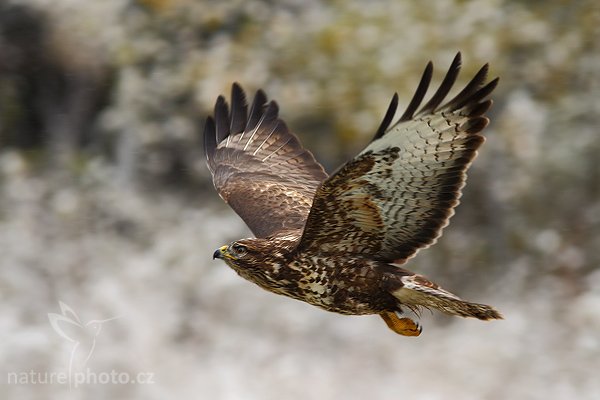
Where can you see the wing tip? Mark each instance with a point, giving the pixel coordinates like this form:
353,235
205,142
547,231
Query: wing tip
445,86
221,115
417,98
236,86
387,119
473,92
239,109
256,110
475,124
229,122
472,96
210,140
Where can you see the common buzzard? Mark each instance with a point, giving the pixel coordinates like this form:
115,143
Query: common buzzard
337,241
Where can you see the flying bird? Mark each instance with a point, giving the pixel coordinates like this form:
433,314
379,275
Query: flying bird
337,241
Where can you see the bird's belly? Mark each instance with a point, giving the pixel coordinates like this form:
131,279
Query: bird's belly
332,302
328,287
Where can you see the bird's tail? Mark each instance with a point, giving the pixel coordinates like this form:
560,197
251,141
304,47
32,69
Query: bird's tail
418,292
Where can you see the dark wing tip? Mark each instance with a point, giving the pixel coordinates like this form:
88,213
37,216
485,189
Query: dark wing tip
471,97
239,109
445,86
270,116
237,87
387,119
210,140
484,91
221,118
475,125
478,109
272,110
419,93
466,95
256,111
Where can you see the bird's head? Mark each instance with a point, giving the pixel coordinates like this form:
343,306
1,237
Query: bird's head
236,252
255,259
246,256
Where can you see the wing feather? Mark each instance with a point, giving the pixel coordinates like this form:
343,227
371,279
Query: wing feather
210,141
239,109
445,86
395,197
387,119
221,118
258,166
419,94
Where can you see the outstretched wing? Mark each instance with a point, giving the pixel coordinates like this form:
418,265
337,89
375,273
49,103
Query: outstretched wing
258,166
395,197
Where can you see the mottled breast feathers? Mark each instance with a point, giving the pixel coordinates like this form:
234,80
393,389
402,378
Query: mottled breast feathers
388,202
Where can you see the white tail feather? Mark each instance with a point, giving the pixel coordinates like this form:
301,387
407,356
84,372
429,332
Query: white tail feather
418,292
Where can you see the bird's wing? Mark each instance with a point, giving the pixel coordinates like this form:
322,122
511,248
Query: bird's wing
258,166
395,197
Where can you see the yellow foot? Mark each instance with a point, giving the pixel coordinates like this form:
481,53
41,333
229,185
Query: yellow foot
402,326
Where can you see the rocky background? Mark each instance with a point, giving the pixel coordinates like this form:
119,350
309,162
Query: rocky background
106,204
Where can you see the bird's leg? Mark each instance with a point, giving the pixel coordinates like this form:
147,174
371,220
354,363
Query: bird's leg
402,326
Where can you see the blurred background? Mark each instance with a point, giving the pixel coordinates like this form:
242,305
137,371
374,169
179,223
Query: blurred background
106,204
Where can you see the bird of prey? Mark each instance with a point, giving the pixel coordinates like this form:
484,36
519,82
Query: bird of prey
337,241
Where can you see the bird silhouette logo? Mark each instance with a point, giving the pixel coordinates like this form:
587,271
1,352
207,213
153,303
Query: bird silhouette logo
83,336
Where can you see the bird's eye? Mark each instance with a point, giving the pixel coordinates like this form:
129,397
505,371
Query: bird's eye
239,250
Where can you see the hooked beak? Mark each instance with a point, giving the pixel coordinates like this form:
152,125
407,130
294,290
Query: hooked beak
219,253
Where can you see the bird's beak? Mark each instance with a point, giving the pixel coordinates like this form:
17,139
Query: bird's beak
219,253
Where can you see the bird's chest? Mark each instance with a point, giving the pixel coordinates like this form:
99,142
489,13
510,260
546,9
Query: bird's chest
342,286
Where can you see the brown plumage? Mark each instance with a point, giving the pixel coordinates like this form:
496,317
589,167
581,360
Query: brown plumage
336,242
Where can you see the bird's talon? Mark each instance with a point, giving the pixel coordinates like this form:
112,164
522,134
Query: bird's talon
402,326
